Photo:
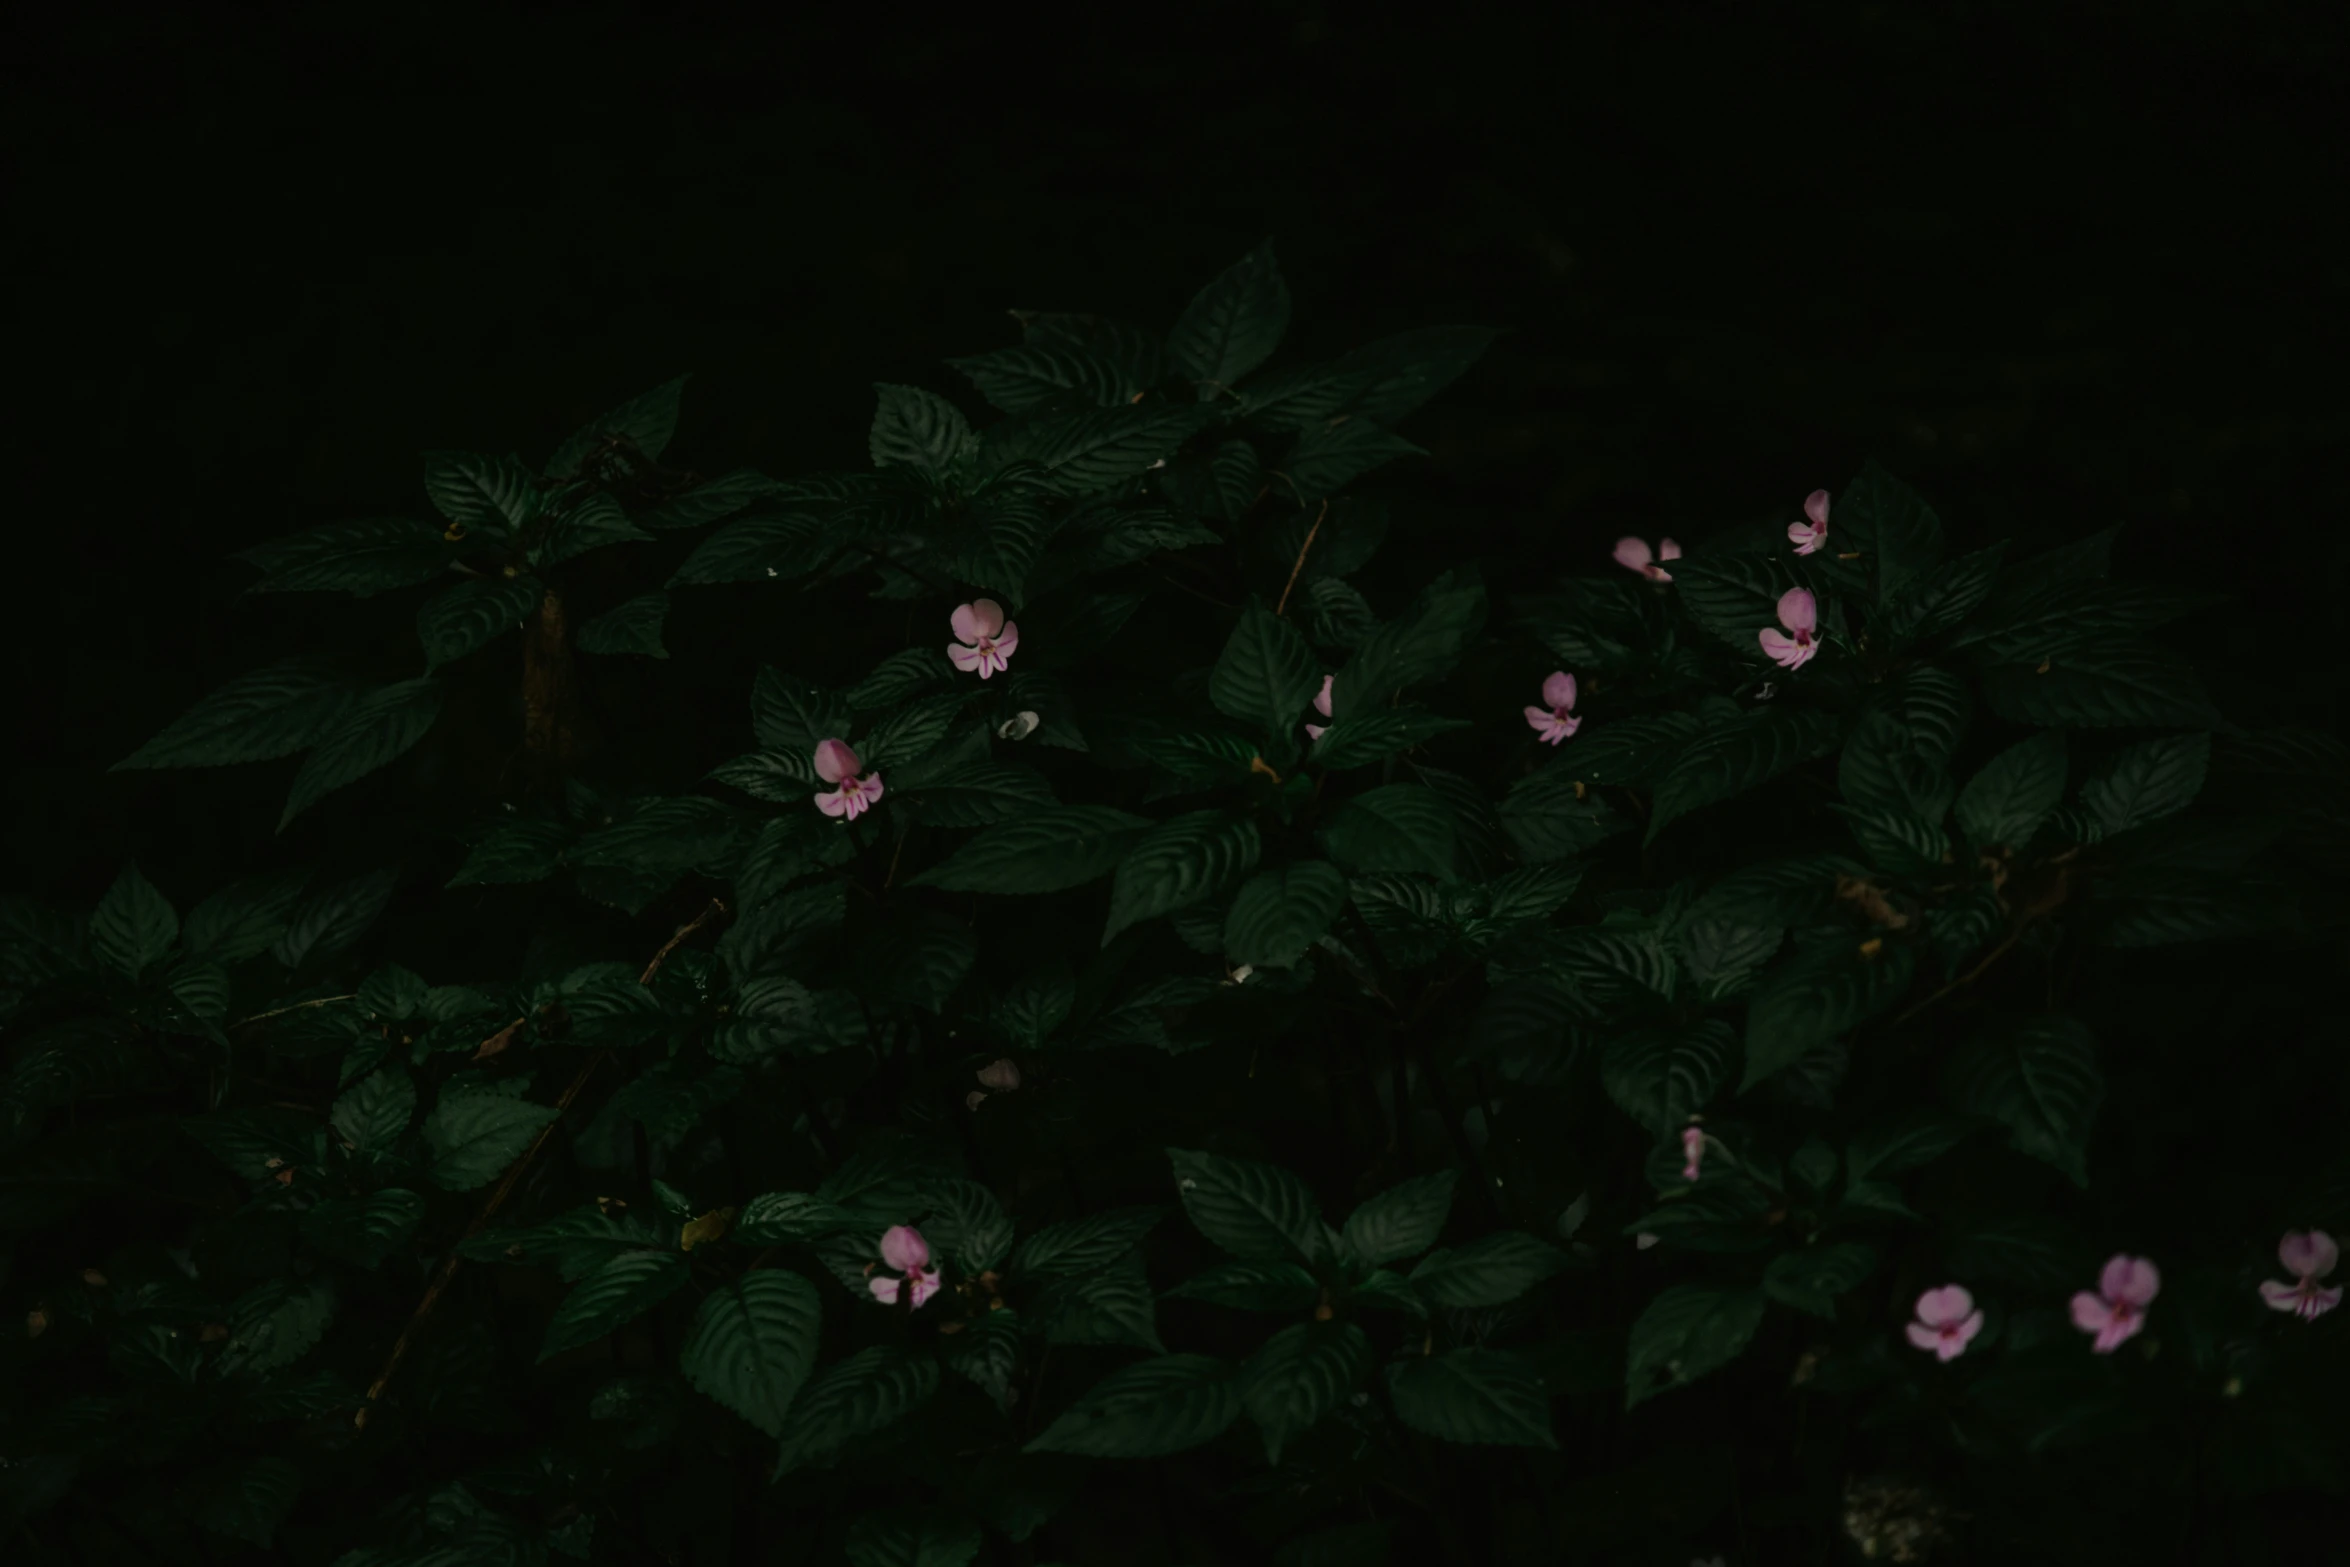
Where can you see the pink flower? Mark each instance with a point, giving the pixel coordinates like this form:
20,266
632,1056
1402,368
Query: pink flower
1322,706
1809,538
1000,1075
1799,612
985,640
1633,554
1947,1322
1553,721
837,764
2118,1310
1693,1147
903,1248
974,1099
2309,1255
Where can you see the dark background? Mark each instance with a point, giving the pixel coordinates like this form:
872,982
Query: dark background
2061,266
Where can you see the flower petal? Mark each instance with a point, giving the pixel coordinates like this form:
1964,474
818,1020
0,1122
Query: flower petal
1634,554
1782,649
964,658
1815,506
1562,729
1941,1307
2131,1279
925,1286
2280,1296
1541,720
884,1290
1798,610
904,1249
1559,690
1007,642
2119,1332
833,804
1967,1330
2320,1302
1670,551
1316,731
835,761
2309,1253
1003,1074
2090,1313
1923,1336
975,620
1322,697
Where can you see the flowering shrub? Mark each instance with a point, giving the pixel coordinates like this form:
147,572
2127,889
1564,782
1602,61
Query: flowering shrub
908,1141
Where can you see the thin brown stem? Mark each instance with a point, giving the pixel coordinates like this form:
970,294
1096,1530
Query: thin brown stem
1968,978
1299,564
321,1001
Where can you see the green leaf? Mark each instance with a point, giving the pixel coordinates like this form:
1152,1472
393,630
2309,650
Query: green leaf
1891,525
2037,617
1328,457
1033,375
1044,851
384,726
1280,913
1486,1396
900,676
918,428
474,1135
1722,957
523,851
788,1216
276,1323
373,1112
980,796
2005,803
2114,683
1177,863
1777,892
631,627
1724,762
707,502
2039,1079
593,523
1090,449
1232,325
1111,1306
911,731
272,712
472,615
1252,1286
871,1390
1816,994
1376,736
1734,596
1299,1375
2148,781
642,425
912,1537
360,558
1810,1279
1490,1272
133,925
764,546
1633,752
1402,1221
249,1499
486,494
1396,827
244,919
1661,1076
1930,605
1266,674
753,1343
1079,1246
1258,1212
1934,704
661,837
1396,375
328,920
1148,1410
1422,643
1684,1333
1902,1144
1886,769
363,1231
616,1294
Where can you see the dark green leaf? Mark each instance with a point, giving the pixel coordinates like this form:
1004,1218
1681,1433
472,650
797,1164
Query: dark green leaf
1812,1278
2005,803
243,919
473,1135
1489,1272
1110,1306
1258,1212
1032,375
1301,1374
593,523
2148,781
1896,532
328,920
753,1343
1090,449
1818,993
642,425
523,851
1077,1246
1252,1286
249,1499
1148,1410
472,615
1425,641
766,545
1903,1144
384,726
376,1110
2114,683
918,428
1684,1333
1045,851
1377,735
980,796
1661,1076
709,501
1633,752
272,712
1734,596
1178,863
1266,673
360,558
1402,1221
616,1294
1397,374
1473,1395
1396,827
912,1537
1231,325
133,926
871,1390
488,494
1722,763
2039,1079
1328,457
1931,605
1282,912
631,627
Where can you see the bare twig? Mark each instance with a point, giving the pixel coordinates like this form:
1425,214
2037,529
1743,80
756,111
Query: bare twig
1299,564
298,1006
513,1178
1968,978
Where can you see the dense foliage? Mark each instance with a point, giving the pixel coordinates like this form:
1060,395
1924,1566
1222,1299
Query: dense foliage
1173,1043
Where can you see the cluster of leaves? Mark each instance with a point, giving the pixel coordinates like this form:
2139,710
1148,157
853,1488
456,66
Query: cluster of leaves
1768,906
